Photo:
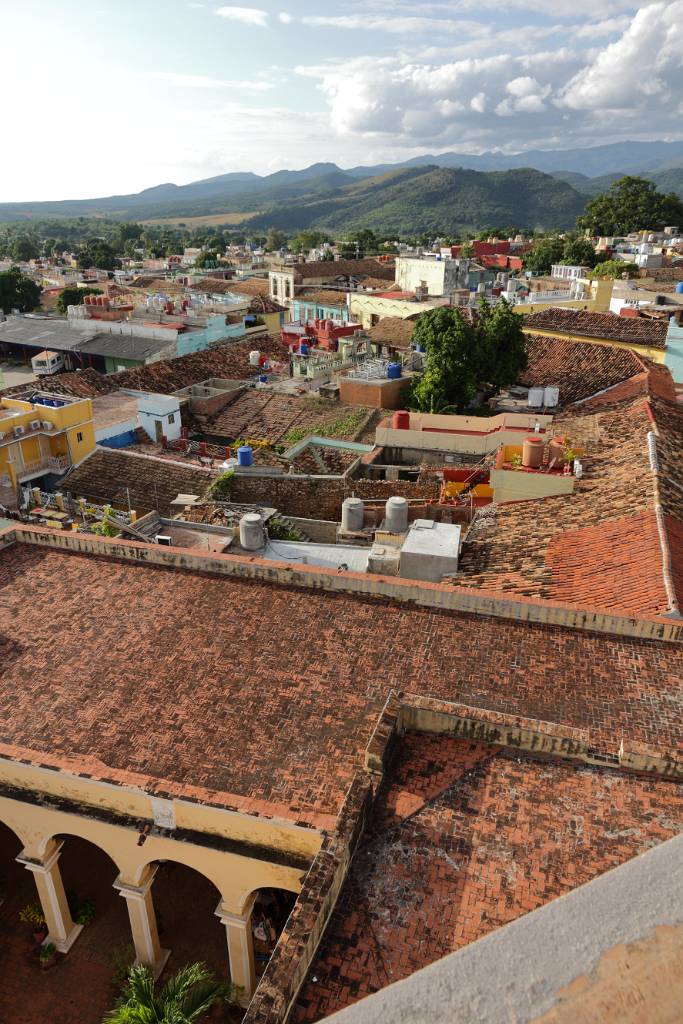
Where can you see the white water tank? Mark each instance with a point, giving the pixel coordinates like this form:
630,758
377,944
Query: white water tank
251,532
254,357
352,515
536,396
396,515
551,397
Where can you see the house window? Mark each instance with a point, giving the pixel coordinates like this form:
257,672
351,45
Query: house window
171,417
79,437
287,289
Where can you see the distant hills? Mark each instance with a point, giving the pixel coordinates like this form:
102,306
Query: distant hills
449,192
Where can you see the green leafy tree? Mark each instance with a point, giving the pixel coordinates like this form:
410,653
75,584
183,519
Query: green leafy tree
359,243
74,297
579,252
23,249
99,254
544,254
463,358
206,259
185,998
307,240
614,269
631,204
275,240
18,292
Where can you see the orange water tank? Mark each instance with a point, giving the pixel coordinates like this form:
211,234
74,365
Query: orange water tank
532,452
401,420
556,450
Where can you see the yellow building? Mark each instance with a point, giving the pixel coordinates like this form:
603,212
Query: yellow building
41,434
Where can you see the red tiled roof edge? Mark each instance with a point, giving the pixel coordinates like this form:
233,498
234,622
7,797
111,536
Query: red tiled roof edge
434,595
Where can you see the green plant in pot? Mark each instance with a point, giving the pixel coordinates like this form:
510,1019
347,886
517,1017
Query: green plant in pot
47,955
85,912
32,914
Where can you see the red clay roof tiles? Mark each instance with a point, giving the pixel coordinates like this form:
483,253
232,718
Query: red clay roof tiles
633,330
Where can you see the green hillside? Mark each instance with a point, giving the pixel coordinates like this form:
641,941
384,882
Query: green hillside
435,199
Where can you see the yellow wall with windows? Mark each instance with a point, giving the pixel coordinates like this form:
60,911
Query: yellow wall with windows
73,437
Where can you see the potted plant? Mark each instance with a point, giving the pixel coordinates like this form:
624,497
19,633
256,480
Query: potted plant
32,914
47,955
85,912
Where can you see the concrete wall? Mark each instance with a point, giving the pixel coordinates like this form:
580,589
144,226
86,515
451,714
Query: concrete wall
364,307
674,351
376,394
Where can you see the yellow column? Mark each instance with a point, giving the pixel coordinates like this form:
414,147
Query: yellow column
240,948
61,929
143,922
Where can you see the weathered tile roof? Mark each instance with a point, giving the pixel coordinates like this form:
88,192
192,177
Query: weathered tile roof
577,368
115,477
466,838
394,331
602,546
633,330
86,383
322,298
171,669
324,269
268,416
217,286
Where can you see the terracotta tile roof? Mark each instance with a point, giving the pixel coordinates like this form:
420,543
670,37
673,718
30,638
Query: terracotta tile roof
633,330
288,681
578,368
328,270
264,304
82,384
248,286
602,545
267,416
464,839
322,298
112,477
394,331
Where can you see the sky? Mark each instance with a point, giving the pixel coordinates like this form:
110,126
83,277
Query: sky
113,96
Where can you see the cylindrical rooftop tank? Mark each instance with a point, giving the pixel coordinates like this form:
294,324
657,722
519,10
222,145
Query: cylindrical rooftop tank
254,357
263,378
251,531
394,371
304,348
532,452
396,517
679,288
245,455
401,420
556,450
352,515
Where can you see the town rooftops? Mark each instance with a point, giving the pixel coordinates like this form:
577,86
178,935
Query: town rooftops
394,331
322,298
579,369
630,330
330,269
257,686
238,286
43,332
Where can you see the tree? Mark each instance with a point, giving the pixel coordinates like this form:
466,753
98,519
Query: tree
307,240
186,997
631,204
99,254
579,252
544,253
23,249
464,357
275,240
358,244
614,269
18,292
206,259
74,297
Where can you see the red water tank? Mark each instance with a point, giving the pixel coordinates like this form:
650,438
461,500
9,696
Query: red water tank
556,451
401,420
532,452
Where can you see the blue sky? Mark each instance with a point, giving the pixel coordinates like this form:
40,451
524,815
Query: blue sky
113,96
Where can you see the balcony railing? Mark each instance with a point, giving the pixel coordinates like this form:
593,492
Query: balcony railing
49,464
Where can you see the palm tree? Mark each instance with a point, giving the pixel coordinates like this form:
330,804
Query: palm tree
183,999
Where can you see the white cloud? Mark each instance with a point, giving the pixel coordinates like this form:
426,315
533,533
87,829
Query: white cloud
204,82
285,18
246,15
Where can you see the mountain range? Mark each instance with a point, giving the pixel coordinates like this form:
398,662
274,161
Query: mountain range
448,192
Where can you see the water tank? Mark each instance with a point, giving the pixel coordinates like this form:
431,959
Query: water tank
532,452
394,371
263,378
251,531
245,456
556,450
536,396
304,349
401,420
551,397
679,288
352,515
396,515
254,357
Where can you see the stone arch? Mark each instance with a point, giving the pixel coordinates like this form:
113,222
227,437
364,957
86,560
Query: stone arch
248,896
95,837
15,827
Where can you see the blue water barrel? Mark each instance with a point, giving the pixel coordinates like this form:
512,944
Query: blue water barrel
245,456
679,288
263,378
394,371
304,349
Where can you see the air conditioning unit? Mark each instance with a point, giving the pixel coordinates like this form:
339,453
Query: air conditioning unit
18,431
35,424
47,425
